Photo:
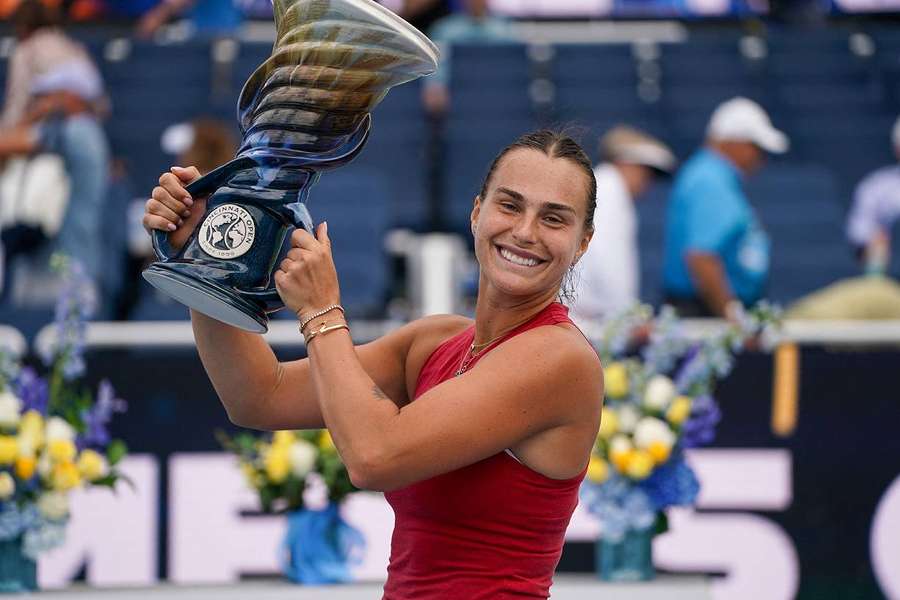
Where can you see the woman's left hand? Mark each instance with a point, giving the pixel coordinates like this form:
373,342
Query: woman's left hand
306,279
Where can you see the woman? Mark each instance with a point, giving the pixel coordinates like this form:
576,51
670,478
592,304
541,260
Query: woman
478,433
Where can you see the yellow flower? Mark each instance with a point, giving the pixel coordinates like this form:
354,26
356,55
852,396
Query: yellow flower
615,379
640,466
7,486
598,470
65,476
25,466
679,411
659,451
620,451
609,423
326,444
31,428
61,450
277,464
92,465
9,448
283,438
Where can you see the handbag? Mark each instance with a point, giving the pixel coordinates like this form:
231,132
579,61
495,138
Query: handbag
34,194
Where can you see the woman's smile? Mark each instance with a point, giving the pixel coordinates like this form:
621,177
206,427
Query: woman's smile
518,257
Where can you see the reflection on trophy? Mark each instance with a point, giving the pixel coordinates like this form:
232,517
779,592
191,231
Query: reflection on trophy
305,110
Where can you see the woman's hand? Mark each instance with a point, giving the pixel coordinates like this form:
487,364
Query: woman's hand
171,208
307,280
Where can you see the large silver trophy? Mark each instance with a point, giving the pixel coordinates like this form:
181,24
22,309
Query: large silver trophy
303,111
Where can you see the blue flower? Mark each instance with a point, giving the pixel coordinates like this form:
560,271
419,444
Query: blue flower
97,417
33,391
672,484
700,428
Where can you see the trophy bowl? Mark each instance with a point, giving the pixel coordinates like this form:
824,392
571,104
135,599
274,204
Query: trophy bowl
305,110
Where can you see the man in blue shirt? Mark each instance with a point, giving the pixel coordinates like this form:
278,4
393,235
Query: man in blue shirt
716,253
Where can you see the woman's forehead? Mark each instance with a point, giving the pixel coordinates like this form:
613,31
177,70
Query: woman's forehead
537,176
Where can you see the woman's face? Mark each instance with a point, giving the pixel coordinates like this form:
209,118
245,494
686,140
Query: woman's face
529,229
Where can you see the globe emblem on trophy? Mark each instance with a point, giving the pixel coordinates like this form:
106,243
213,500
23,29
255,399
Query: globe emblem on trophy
227,232
305,111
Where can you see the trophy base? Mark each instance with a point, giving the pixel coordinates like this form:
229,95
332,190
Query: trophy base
209,299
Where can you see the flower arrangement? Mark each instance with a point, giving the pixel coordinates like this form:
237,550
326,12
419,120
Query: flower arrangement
659,402
53,431
285,468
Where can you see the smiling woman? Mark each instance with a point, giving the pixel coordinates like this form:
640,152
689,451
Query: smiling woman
479,433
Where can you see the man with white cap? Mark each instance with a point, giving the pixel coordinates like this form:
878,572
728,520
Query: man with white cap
609,272
875,211
716,256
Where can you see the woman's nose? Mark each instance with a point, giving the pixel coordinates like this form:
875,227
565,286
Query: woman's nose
524,230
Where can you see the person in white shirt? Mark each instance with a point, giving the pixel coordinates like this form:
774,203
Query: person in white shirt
875,211
608,277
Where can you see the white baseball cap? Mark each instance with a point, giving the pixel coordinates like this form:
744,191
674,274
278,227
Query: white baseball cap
742,119
632,146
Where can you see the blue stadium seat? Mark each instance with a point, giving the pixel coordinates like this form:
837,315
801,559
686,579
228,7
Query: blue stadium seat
600,64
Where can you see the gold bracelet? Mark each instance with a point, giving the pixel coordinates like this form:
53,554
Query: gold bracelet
325,328
318,313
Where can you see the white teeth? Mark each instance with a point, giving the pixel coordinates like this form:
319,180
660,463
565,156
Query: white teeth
525,262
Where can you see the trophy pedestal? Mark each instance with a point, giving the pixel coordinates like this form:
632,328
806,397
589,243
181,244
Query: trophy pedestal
208,298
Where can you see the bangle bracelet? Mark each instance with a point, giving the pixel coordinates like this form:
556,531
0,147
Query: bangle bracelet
325,328
318,313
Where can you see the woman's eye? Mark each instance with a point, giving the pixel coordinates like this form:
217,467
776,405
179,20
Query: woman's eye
508,206
553,220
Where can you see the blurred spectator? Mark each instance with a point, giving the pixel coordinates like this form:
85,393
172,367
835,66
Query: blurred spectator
716,252
609,279
875,211
54,94
209,17
473,24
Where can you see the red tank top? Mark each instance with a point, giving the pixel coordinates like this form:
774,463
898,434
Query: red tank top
492,530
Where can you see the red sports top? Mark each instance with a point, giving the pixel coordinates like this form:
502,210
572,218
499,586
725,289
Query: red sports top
492,530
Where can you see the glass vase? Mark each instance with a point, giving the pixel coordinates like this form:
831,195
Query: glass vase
18,573
629,559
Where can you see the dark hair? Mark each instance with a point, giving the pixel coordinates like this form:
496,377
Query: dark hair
554,144
32,15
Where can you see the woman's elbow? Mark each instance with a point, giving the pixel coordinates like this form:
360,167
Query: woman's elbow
371,472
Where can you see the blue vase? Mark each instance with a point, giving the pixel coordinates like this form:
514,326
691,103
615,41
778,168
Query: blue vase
18,573
629,559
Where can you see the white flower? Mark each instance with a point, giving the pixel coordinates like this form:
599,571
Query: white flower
10,407
54,505
628,418
7,486
620,444
302,457
59,429
652,430
659,393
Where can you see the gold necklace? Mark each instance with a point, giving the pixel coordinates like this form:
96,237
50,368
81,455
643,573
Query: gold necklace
471,354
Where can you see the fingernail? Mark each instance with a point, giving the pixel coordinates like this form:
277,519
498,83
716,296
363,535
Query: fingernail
171,227
188,201
325,226
180,221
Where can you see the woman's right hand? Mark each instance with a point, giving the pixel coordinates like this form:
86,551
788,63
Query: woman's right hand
172,209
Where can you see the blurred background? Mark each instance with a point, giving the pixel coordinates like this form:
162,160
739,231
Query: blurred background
139,85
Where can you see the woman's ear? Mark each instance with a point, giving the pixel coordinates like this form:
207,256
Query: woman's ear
476,210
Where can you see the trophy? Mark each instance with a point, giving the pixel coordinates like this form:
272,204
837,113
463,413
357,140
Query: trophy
305,110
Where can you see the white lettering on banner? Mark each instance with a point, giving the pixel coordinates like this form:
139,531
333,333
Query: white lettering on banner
884,542
115,533
756,554
210,541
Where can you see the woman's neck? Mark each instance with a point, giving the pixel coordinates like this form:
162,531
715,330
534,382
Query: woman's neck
495,315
